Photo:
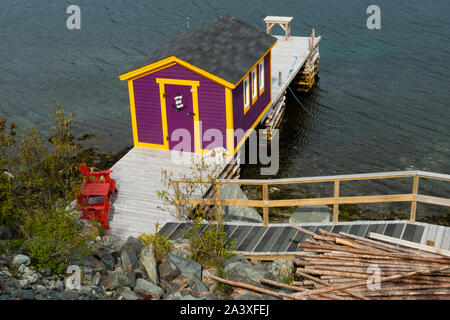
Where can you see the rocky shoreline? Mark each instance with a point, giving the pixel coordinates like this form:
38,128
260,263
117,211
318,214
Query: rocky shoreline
127,270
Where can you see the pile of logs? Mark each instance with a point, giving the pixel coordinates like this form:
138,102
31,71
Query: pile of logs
346,267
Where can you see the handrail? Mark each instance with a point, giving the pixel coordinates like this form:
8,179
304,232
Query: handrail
336,200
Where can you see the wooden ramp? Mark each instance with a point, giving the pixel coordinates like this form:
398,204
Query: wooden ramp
282,240
134,208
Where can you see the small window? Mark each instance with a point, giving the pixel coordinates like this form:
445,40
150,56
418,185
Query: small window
254,86
246,94
261,77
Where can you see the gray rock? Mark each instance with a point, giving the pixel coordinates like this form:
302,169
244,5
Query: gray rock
211,284
20,259
108,261
70,295
127,294
282,269
114,243
92,263
5,233
168,271
26,295
114,279
199,286
140,273
148,261
23,269
59,285
181,248
174,296
247,273
311,214
190,297
234,260
149,287
247,296
188,268
237,213
129,253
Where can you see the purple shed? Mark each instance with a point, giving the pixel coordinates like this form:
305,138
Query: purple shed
206,88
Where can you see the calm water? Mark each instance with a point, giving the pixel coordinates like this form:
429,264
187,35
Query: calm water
392,83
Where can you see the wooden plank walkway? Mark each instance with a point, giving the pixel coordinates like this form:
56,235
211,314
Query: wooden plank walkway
134,208
281,239
288,57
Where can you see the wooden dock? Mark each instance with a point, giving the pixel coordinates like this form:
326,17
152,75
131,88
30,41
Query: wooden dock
134,208
138,173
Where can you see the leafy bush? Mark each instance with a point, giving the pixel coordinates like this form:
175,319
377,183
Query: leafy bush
210,247
51,237
161,244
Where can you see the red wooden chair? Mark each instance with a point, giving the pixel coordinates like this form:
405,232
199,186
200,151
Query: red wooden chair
91,211
96,175
103,216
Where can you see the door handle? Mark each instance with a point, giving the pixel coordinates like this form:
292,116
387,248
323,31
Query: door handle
191,114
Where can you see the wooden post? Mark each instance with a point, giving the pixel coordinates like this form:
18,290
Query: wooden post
336,206
279,78
177,196
265,194
412,216
219,204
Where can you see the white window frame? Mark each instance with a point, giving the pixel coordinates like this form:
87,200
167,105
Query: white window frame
246,90
254,85
261,76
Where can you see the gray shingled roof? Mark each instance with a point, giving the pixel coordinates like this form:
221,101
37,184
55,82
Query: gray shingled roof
225,47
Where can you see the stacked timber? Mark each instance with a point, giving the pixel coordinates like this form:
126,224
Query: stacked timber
370,269
347,267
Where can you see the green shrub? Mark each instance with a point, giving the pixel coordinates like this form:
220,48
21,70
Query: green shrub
52,237
161,244
210,247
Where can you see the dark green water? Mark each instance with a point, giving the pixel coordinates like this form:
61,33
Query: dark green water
393,83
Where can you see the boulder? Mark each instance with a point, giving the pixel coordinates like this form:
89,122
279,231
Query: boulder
234,260
114,243
181,248
5,233
282,269
237,213
247,273
108,261
169,271
188,268
20,259
311,214
129,253
148,262
92,263
114,279
155,291
247,296
127,294
211,284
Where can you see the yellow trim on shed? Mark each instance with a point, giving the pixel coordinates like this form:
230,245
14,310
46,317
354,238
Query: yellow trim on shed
135,74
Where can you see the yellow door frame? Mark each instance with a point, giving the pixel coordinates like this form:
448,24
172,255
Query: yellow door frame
194,85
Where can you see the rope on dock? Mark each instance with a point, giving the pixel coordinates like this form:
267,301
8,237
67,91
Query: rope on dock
314,117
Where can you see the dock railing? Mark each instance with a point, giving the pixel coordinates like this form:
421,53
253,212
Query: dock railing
414,197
